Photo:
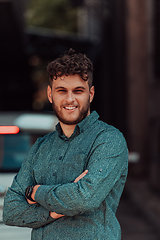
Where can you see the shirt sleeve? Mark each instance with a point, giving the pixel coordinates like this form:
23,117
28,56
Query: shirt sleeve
17,211
108,164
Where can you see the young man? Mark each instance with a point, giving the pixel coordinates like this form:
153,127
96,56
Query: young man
70,184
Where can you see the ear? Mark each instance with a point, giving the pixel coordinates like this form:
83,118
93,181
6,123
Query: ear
91,93
49,93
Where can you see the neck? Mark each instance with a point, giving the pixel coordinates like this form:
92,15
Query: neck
67,129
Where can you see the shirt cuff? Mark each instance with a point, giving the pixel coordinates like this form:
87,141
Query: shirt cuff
41,196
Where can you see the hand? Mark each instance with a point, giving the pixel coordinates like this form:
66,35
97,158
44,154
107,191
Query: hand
33,194
34,191
81,176
30,202
55,215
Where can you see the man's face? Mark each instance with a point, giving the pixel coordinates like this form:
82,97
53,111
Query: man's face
70,97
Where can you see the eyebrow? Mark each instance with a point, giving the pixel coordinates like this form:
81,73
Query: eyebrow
59,87
80,87
76,88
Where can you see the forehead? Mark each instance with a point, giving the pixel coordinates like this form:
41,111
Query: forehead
71,81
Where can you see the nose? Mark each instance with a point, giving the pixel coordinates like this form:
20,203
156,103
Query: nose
70,97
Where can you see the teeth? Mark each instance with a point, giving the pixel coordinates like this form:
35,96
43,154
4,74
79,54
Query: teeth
70,108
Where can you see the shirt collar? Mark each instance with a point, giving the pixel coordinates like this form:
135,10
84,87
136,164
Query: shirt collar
88,121
80,127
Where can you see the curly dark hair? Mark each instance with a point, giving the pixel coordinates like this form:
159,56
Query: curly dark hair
71,63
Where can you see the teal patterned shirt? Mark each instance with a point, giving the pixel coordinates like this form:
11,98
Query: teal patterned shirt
89,205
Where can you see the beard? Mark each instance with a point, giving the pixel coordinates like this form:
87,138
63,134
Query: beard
82,114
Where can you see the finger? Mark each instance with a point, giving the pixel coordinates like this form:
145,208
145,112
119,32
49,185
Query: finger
56,215
81,176
30,202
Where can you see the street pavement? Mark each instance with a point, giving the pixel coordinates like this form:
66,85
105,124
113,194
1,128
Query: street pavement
14,233
139,212
135,225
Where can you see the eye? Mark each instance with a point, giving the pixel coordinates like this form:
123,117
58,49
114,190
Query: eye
78,91
62,91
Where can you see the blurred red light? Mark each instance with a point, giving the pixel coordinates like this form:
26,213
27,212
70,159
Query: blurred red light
9,129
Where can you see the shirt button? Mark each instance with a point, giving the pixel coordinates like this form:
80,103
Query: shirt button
60,158
100,170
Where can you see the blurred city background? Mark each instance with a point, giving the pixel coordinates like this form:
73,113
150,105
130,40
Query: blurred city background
122,38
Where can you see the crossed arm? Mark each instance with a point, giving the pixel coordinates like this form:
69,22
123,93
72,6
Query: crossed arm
18,212
54,214
104,171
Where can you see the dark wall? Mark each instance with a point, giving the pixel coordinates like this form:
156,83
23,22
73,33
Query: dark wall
110,73
15,84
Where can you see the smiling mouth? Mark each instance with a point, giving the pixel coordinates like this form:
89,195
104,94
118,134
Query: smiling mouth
70,108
